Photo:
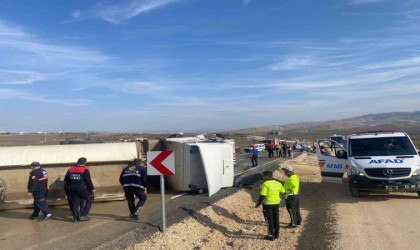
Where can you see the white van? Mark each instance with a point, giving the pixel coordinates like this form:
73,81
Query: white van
260,147
373,161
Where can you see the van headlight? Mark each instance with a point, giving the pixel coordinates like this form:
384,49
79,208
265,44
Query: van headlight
356,171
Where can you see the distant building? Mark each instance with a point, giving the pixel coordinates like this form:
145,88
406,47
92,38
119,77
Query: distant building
254,138
275,132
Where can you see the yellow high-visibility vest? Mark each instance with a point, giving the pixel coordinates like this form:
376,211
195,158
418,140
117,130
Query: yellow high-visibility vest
271,189
292,185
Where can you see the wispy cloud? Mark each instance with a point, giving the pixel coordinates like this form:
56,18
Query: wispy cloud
293,63
24,95
120,12
366,1
20,41
20,77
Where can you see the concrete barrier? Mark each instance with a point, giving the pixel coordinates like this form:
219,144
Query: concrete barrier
105,163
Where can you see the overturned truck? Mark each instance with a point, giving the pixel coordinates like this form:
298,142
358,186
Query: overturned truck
105,162
199,165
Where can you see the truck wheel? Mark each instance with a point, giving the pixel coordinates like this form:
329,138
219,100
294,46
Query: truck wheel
355,192
3,188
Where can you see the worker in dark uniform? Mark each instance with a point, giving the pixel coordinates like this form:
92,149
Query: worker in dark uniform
78,186
292,196
270,198
254,156
133,178
38,187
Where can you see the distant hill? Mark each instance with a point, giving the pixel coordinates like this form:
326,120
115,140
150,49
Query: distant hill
403,121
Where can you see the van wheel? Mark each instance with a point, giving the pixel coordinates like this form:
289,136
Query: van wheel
355,192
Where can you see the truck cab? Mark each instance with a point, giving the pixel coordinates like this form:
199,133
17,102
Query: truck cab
374,161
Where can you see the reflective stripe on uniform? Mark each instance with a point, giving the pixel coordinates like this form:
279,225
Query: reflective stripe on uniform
132,174
133,185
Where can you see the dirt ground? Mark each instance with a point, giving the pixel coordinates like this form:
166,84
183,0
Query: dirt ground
332,219
234,222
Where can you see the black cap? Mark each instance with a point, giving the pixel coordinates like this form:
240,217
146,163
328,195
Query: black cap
35,164
81,161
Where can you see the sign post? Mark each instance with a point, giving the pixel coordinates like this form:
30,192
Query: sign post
161,163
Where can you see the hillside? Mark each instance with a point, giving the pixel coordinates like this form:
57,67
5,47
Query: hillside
406,121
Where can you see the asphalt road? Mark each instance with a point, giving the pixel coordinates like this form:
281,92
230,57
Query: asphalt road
110,227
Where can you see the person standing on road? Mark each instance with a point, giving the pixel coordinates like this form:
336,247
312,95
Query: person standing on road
38,187
280,154
284,148
254,156
270,149
289,150
292,196
78,186
133,179
270,198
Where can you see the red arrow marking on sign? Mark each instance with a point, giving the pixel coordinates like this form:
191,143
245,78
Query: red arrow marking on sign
157,163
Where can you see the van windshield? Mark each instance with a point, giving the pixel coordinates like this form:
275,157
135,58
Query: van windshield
385,146
338,139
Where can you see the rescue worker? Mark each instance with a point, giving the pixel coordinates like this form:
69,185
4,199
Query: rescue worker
292,196
254,156
270,198
133,179
38,187
78,186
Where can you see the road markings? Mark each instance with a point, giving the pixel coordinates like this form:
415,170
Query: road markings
256,167
45,243
177,196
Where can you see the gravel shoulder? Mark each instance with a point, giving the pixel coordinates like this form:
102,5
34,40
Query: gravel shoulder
234,223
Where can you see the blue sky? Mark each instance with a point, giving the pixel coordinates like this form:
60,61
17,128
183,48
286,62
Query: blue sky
183,65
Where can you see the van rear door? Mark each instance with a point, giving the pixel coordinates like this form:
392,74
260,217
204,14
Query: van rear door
332,159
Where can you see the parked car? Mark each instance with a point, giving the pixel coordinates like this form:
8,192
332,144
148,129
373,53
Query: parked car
259,146
301,146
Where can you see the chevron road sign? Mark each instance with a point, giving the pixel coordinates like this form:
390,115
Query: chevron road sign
160,163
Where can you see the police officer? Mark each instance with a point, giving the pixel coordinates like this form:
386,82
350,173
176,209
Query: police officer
38,186
270,198
133,178
78,186
292,196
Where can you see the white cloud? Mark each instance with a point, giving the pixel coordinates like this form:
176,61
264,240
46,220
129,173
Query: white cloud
366,1
20,77
23,48
123,11
68,102
24,95
293,63
10,93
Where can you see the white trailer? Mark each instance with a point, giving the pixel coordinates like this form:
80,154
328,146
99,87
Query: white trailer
201,165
